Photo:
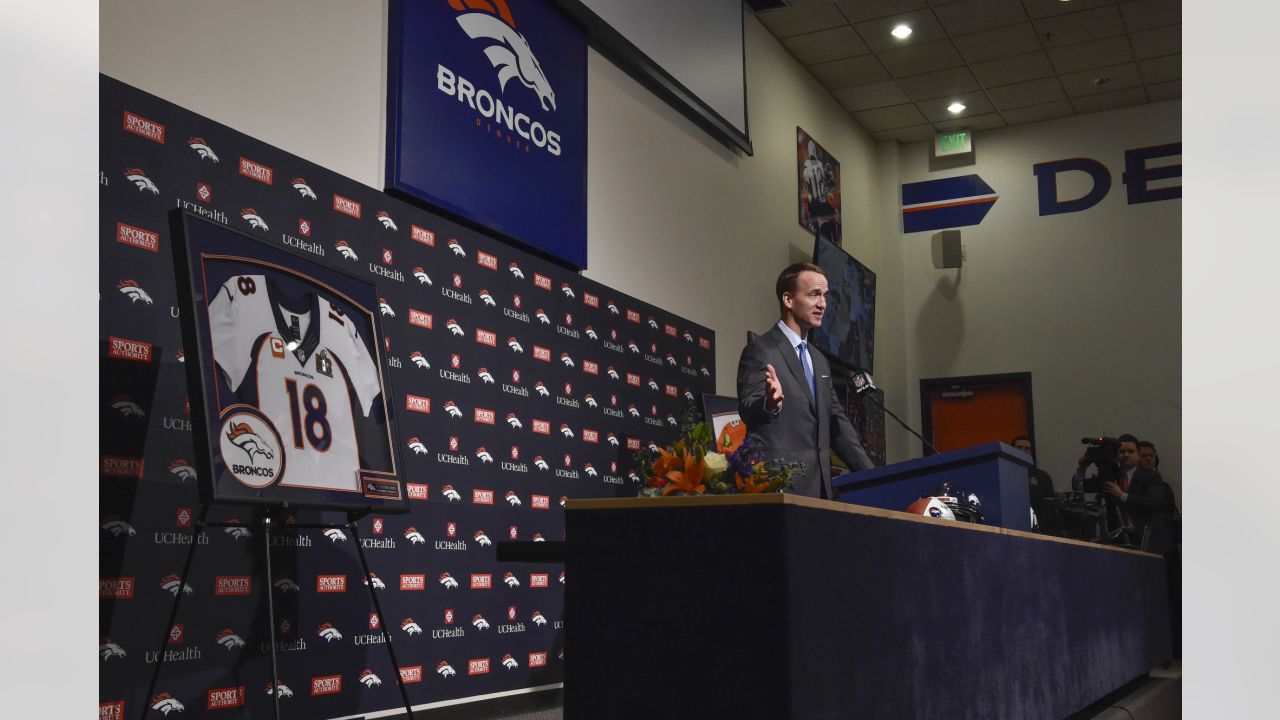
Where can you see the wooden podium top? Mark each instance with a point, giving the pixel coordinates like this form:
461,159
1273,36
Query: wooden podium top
656,503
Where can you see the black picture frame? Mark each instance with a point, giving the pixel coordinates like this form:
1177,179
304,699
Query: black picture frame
204,253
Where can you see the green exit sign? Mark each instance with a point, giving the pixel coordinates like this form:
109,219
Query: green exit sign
953,142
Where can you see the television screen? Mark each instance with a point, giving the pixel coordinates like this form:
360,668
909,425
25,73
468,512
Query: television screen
849,324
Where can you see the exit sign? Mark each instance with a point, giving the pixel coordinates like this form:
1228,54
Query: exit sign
952,142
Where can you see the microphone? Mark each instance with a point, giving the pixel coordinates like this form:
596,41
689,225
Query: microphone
862,382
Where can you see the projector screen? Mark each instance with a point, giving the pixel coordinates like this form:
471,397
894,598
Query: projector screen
688,53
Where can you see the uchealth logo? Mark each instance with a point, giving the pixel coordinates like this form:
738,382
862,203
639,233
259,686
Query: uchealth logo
251,448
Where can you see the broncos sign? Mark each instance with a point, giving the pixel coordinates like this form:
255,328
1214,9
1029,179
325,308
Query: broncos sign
487,117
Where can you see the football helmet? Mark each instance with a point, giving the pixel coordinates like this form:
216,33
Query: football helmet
931,507
965,505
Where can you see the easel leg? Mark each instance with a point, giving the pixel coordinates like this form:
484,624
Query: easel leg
382,621
271,615
173,612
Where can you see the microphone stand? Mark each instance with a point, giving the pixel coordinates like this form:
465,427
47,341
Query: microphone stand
868,385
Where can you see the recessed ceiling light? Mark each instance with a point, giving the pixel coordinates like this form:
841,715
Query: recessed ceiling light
956,108
901,31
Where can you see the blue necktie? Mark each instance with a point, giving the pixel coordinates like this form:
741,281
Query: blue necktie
808,371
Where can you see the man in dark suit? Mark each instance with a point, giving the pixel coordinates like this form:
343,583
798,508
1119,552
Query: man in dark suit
785,394
1142,494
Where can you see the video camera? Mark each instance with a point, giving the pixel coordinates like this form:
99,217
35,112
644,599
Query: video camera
1101,454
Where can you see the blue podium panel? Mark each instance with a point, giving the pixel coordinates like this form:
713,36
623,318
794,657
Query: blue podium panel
777,606
996,472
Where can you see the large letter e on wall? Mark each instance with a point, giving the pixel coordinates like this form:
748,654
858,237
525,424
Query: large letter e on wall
1047,178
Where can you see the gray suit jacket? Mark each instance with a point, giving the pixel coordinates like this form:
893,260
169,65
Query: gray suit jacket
802,430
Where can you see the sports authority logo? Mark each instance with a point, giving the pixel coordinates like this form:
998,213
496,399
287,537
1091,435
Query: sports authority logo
411,582
137,237
539,580
416,491
484,259
331,583
421,319
478,666
126,349
540,502
166,703
417,403
486,337
481,581
118,588
422,235
538,659
251,448
408,675
346,206
111,710
255,171
142,127
233,585
541,353
326,685
481,497
225,698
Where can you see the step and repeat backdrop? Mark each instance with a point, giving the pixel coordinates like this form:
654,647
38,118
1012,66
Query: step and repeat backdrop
514,384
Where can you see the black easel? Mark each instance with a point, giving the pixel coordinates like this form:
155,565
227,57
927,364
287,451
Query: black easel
265,520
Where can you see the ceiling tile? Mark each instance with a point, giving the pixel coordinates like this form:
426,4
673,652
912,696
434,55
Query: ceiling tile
1091,54
963,18
938,84
1038,113
998,43
936,110
846,73
1018,68
1162,69
826,45
1032,92
990,121
1165,91
918,133
924,29
1147,14
1080,26
1120,77
1110,100
917,59
801,18
860,10
896,116
872,95
1157,42
1047,8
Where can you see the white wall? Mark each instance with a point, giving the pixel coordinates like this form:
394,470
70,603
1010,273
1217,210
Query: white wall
1088,302
673,217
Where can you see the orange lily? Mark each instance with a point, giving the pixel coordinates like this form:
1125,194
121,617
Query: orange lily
689,480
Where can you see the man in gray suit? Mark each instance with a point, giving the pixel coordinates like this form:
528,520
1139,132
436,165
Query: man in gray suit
784,388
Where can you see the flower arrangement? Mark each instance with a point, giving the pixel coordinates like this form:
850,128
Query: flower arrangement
697,464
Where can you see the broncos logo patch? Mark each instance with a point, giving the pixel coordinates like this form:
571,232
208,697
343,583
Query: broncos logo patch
243,437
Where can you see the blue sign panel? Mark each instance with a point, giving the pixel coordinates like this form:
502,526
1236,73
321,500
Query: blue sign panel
947,203
487,117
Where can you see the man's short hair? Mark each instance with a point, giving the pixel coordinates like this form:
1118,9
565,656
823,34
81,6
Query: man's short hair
1128,438
1146,443
1016,438
787,280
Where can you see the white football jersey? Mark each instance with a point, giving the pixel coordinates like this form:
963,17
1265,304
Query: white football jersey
303,364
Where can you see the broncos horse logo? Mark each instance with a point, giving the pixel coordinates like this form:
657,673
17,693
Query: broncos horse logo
243,437
509,52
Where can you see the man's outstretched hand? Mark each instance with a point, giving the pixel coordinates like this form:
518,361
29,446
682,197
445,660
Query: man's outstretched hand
773,389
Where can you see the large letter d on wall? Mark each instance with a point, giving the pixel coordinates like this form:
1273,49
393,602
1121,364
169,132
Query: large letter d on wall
1047,177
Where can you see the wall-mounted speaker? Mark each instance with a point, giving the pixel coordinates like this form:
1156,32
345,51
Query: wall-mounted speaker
947,250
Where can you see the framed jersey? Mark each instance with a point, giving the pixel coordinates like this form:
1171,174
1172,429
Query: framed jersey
287,381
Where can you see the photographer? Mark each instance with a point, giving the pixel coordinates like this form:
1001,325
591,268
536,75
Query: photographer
1141,495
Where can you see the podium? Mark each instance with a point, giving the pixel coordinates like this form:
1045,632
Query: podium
778,606
995,471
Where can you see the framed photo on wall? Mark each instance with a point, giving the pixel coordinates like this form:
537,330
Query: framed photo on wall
818,188
287,381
